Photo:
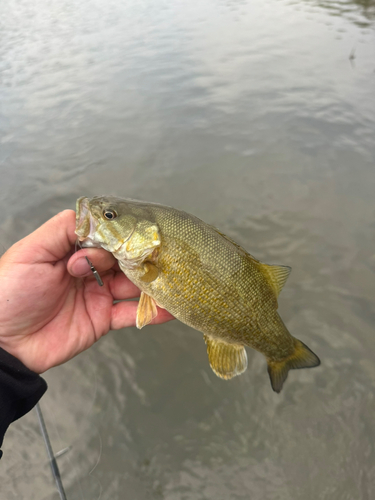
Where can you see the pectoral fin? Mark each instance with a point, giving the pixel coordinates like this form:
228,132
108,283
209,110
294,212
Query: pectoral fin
226,360
151,272
146,311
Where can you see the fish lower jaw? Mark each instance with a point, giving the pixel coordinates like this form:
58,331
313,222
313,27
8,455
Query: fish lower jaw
89,242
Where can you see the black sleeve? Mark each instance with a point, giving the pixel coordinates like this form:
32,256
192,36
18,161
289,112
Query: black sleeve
20,390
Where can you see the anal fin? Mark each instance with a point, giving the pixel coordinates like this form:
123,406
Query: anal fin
226,360
146,311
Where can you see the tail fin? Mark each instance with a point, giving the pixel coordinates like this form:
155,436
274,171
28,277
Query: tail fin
302,357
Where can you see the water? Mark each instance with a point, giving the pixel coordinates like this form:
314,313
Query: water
258,117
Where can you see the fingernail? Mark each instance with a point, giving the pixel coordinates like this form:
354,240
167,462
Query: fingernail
81,267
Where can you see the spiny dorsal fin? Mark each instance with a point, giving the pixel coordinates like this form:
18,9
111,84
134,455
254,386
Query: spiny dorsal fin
226,360
275,275
242,250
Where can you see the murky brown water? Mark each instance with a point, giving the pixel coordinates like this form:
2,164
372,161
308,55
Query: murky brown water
259,117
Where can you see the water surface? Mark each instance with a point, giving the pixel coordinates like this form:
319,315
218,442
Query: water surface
259,118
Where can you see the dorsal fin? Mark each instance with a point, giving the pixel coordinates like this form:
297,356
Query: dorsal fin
275,275
242,250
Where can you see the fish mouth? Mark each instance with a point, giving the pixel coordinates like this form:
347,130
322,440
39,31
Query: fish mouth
90,230
85,223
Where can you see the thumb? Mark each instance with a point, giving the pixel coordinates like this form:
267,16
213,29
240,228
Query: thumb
49,243
101,259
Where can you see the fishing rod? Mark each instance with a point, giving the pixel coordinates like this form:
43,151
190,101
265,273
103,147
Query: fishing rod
43,428
51,456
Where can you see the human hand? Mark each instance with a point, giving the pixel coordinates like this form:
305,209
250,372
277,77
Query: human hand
48,313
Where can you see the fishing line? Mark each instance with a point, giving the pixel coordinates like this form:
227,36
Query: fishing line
51,456
77,244
43,428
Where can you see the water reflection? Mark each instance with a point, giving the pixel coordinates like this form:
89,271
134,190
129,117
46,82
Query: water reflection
360,12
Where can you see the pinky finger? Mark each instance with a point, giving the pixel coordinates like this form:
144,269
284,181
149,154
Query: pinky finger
124,314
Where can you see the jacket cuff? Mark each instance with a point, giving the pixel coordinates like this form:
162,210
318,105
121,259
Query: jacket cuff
20,390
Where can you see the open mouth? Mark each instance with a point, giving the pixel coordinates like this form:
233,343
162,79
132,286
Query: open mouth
82,218
91,232
85,223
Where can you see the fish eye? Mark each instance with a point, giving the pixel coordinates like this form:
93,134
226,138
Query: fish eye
109,214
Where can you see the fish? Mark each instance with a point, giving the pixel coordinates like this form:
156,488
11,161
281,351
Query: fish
202,277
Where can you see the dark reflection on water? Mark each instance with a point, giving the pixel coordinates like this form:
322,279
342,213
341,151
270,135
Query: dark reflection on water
350,10
251,116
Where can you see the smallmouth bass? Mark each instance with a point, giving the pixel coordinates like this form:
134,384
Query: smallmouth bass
202,277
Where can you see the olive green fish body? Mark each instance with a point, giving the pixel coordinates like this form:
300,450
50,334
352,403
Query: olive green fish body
217,290
200,276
